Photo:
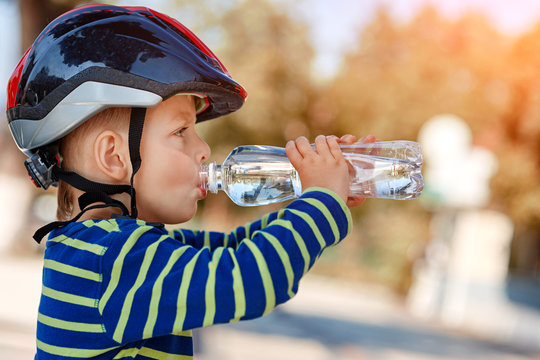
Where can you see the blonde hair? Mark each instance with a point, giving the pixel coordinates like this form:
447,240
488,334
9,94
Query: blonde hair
115,118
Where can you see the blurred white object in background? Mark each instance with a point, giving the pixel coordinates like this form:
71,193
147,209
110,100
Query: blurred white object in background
456,173
461,279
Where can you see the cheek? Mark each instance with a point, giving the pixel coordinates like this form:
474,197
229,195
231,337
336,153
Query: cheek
176,170
165,166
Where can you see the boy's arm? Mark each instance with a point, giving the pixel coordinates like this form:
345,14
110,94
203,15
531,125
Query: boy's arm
155,285
213,240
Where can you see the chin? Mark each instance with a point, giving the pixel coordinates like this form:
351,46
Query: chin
179,218
169,214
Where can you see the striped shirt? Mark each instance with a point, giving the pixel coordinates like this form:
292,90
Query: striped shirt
126,289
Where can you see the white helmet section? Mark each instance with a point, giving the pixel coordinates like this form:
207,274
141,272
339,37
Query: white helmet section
86,100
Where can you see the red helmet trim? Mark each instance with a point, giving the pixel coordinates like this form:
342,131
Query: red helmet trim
13,83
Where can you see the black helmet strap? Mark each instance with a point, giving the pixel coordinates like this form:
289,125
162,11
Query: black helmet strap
84,200
98,192
86,185
136,124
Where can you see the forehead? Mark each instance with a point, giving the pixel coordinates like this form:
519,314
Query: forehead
173,110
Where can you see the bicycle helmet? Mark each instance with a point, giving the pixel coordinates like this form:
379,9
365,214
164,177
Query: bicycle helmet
99,56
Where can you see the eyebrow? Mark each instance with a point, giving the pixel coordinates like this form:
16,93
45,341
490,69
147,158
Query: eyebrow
182,118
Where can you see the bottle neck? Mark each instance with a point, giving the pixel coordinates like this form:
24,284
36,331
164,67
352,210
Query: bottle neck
211,177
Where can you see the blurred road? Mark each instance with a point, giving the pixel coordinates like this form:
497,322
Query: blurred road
328,319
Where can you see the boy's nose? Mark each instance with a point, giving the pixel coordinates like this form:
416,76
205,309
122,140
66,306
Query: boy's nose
204,151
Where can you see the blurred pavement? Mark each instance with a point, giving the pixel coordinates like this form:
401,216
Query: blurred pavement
328,319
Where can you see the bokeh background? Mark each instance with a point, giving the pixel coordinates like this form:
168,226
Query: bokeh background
462,261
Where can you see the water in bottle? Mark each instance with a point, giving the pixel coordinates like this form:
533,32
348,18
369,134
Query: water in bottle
255,175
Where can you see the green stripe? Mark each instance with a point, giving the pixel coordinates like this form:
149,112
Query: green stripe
340,201
285,259
160,355
210,291
297,238
309,220
78,244
247,227
264,220
238,289
150,353
156,292
70,325
69,298
71,270
177,232
206,239
181,303
131,352
266,277
141,277
118,264
299,241
69,351
235,235
329,217
109,225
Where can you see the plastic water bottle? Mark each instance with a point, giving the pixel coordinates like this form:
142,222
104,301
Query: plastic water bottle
255,175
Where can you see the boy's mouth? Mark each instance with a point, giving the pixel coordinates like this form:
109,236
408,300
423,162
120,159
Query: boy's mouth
203,192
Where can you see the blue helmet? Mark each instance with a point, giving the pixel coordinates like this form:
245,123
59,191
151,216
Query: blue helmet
98,56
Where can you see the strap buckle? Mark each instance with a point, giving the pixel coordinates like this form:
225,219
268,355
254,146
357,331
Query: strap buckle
40,169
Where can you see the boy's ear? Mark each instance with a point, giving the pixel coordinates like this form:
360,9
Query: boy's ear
111,154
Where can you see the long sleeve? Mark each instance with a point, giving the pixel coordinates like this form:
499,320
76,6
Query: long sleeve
155,285
213,239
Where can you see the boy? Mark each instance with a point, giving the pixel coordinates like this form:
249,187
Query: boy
116,283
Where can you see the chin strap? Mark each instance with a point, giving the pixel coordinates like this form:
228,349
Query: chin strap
94,191
84,200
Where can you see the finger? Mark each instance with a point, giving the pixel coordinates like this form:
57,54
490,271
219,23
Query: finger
334,148
322,146
347,139
304,147
368,139
292,153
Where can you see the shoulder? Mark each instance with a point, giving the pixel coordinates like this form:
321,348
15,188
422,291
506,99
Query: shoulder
106,230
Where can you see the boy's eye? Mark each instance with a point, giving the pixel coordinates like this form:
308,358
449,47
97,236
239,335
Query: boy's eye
180,132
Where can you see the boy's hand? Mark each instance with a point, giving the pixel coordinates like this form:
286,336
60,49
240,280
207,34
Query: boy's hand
325,167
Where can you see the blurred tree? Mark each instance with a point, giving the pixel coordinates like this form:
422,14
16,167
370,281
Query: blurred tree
36,14
518,181
402,75
269,54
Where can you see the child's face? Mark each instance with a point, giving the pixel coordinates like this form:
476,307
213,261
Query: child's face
167,184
